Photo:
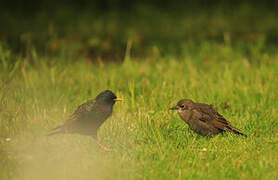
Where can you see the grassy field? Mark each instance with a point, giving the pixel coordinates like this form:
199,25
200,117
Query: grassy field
148,141
52,60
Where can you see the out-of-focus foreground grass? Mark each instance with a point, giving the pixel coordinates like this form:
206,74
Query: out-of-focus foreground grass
38,91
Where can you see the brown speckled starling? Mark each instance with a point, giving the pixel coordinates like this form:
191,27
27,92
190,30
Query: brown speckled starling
88,117
203,118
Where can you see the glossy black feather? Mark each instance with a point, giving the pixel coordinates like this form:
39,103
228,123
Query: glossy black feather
88,117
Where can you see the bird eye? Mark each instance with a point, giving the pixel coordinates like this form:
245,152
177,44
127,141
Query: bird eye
182,106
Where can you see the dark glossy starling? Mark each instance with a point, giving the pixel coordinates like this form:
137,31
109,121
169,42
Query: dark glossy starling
203,118
88,117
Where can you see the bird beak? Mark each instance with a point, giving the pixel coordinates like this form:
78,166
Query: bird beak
174,108
119,99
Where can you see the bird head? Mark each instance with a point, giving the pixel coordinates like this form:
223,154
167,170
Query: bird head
107,97
182,105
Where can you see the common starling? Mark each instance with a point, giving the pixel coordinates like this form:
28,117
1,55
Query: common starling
203,118
88,117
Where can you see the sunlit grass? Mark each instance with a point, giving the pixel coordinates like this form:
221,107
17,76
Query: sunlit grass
148,141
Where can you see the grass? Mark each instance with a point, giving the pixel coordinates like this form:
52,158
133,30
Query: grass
148,141
219,55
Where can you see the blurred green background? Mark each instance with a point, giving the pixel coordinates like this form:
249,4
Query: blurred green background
102,30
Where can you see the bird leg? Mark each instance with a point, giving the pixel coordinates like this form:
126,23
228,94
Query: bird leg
103,147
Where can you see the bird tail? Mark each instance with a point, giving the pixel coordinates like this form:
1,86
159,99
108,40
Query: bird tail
56,130
236,131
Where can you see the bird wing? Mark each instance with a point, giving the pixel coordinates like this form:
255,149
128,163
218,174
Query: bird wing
210,116
82,111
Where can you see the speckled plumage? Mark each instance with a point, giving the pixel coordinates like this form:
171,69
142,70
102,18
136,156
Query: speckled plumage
88,117
203,118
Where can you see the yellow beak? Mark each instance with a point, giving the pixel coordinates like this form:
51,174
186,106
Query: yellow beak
119,99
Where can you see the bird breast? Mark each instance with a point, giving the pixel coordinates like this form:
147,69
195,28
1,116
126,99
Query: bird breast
185,115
